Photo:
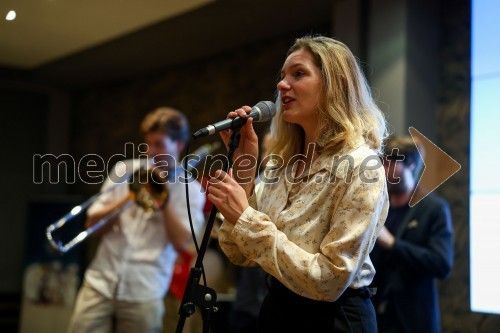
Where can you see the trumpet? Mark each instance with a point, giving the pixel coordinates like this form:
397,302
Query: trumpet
147,189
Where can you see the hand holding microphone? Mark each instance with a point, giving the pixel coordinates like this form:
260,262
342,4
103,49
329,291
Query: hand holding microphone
261,112
243,118
249,142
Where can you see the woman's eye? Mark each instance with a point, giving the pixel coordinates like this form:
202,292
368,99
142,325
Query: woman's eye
298,74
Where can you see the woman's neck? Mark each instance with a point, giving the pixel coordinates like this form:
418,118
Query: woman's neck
310,136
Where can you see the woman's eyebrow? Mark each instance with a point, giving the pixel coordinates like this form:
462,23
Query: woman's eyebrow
292,66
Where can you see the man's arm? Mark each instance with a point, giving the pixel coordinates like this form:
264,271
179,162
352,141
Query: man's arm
435,258
177,233
98,215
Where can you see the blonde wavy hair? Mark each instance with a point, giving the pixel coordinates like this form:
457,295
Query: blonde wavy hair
347,112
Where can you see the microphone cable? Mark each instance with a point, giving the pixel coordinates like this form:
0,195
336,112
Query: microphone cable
193,233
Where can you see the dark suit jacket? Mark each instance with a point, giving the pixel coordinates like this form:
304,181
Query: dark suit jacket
422,252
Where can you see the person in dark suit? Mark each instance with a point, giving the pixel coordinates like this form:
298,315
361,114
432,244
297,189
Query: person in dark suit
413,249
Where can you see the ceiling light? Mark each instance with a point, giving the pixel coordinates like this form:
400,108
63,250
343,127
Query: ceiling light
10,15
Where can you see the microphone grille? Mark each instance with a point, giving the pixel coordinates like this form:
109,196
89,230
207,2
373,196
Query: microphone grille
268,110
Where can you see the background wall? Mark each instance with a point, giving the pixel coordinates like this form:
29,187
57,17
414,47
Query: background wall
206,90
453,135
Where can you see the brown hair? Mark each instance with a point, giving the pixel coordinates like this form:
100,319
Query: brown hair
407,147
168,121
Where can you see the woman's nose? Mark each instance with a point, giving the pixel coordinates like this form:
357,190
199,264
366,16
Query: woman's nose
283,85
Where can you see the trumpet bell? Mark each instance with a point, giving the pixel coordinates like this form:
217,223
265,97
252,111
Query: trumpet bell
148,189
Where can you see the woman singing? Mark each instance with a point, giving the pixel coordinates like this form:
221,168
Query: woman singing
312,222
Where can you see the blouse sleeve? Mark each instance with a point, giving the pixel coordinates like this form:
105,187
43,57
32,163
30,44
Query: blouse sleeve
355,221
226,240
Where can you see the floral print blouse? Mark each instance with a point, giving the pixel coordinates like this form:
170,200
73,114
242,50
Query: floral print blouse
314,232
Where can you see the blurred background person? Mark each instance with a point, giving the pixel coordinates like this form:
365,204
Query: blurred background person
413,249
126,282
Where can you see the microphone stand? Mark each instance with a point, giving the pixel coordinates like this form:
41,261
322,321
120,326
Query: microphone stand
196,294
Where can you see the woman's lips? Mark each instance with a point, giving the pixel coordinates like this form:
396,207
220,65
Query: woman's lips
287,102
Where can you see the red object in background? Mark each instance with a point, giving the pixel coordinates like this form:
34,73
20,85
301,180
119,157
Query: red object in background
208,205
183,264
181,274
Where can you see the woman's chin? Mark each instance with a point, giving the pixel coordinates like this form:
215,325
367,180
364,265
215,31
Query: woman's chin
288,116
291,121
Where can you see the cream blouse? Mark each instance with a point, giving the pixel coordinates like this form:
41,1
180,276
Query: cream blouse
314,233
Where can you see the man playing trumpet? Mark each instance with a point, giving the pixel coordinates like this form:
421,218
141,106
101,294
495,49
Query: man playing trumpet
126,282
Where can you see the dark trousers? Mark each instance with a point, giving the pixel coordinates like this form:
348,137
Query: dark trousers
388,321
285,311
242,322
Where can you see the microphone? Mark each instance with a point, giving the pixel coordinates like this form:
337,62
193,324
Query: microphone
261,112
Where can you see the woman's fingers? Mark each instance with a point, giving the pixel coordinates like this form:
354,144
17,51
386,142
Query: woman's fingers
218,175
227,195
250,132
216,192
247,131
218,188
241,112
